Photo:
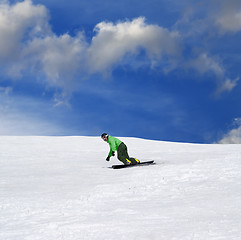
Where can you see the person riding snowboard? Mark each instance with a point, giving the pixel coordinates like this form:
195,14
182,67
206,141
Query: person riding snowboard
120,147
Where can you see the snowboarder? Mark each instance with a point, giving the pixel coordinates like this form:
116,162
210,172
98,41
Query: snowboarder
117,145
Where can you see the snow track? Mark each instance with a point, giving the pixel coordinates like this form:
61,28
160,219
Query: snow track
62,188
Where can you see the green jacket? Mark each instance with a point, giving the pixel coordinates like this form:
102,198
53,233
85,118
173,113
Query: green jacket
114,144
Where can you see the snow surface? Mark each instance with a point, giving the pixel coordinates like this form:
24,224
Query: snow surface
61,188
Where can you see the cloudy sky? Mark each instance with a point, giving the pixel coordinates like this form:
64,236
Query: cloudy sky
157,69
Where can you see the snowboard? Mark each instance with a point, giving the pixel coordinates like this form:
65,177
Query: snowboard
136,165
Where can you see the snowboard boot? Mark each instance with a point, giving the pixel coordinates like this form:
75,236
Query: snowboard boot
128,162
134,161
138,161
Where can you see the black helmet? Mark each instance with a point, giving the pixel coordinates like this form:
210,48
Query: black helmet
104,135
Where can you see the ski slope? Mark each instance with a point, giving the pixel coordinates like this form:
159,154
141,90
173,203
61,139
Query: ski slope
61,188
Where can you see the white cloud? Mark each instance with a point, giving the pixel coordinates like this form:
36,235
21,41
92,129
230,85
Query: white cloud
27,44
17,123
228,18
25,116
206,64
19,23
203,63
227,85
230,22
113,42
200,24
5,90
205,17
30,45
234,135
59,58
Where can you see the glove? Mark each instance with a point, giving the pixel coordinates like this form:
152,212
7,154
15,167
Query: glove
108,159
113,153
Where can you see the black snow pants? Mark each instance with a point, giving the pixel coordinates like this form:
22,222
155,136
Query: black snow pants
123,156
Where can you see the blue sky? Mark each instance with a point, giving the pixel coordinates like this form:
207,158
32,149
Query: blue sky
165,70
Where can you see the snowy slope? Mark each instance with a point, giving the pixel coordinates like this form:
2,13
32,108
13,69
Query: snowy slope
60,188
